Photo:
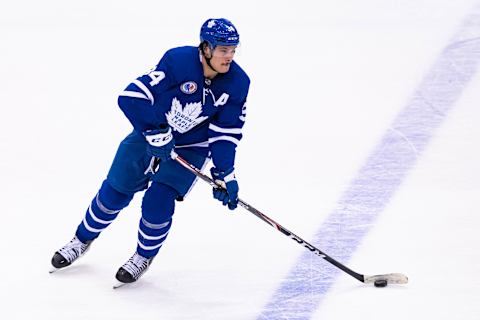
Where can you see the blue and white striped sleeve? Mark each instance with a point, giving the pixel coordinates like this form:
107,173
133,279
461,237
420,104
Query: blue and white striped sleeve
216,133
138,90
138,99
224,135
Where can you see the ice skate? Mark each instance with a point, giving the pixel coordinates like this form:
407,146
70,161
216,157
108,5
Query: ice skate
69,253
132,270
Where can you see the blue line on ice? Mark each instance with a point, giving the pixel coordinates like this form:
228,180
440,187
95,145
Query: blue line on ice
302,291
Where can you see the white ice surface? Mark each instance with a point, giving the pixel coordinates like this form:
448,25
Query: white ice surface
327,77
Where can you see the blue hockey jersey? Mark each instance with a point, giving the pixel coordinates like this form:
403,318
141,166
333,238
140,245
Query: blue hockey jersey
205,114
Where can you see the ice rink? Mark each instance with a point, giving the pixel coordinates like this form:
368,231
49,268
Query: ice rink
362,137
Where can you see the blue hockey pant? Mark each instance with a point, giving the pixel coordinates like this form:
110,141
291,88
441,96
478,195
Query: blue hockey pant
126,177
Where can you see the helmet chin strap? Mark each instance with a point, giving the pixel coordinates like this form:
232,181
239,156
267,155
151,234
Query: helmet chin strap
210,65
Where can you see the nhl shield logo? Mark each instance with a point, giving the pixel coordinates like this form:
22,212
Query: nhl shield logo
188,87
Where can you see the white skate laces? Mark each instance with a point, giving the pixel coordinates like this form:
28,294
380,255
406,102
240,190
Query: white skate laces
74,249
69,253
137,265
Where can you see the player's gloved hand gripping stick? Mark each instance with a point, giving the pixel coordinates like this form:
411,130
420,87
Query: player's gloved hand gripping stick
380,280
160,142
228,191
160,146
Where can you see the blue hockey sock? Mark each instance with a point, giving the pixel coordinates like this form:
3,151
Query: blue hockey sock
103,209
157,209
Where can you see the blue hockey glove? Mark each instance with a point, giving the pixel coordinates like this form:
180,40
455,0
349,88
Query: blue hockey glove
160,142
228,195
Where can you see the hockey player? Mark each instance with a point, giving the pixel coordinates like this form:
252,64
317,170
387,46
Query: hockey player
191,103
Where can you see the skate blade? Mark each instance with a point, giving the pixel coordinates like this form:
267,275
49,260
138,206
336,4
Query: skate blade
53,270
119,284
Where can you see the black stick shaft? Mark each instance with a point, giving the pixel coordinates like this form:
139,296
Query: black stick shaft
288,233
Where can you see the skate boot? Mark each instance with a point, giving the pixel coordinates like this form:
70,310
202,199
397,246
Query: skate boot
69,253
133,269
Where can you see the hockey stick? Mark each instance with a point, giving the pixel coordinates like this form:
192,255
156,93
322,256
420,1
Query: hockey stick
378,280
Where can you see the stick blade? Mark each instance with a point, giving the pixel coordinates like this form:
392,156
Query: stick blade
392,278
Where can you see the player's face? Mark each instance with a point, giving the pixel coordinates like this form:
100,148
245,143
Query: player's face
222,57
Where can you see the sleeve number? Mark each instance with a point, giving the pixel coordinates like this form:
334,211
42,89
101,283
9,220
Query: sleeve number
244,112
156,77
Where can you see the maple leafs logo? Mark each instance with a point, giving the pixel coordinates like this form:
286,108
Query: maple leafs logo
182,119
211,24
